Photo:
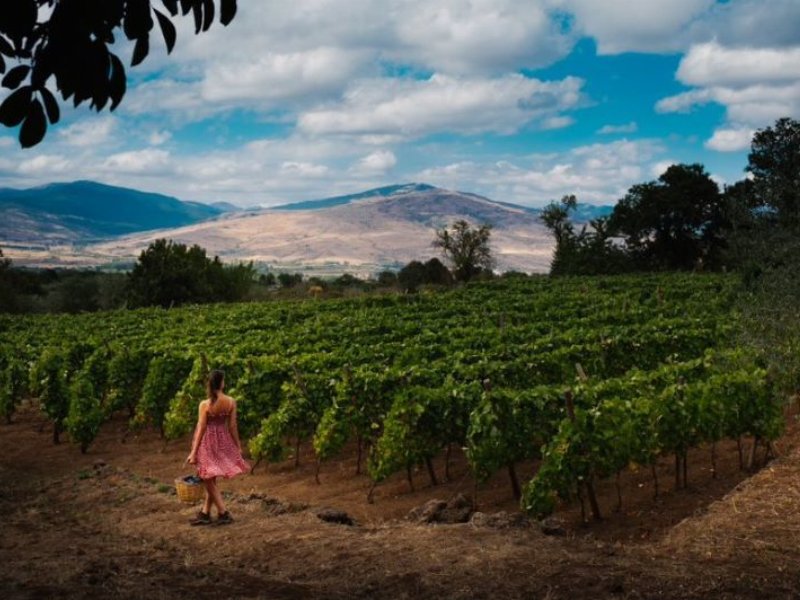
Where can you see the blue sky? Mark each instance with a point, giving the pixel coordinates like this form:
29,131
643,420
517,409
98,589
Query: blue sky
522,101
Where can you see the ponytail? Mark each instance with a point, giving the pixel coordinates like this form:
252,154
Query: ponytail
215,379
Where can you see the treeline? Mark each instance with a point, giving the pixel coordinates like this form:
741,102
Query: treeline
170,274
684,221
166,274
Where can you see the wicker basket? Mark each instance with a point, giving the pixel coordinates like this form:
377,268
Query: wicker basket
189,492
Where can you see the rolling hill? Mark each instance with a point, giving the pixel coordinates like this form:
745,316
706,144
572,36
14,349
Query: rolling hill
361,233
88,224
84,211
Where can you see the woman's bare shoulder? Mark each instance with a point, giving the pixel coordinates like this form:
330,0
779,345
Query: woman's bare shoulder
228,399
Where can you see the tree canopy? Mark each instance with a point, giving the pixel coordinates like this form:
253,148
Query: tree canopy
466,248
168,274
774,163
674,222
65,44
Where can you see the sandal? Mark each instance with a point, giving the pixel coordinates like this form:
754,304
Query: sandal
201,519
224,519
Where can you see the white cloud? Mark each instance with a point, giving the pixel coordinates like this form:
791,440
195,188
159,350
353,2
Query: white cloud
631,127
45,165
303,169
157,138
660,167
263,80
92,131
557,122
482,36
150,161
411,107
635,25
714,65
730,140
377,162
755,85
596,173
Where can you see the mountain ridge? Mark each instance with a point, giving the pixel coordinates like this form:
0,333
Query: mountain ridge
81,211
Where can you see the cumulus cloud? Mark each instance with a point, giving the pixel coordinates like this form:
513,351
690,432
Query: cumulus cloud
631,127
149,161
303,169
45,165
265,79
411,107
711,64
484,36
755,85
156,138
377,162
92,131
557,122
730,140
625,26
596,173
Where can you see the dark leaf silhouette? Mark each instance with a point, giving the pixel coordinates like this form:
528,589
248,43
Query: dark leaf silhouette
167,30
68,50
16,76
34,126
118,83
50,106
171,6
140,50
227,11
5,47
15,107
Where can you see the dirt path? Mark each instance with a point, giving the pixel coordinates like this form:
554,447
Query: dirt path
107,525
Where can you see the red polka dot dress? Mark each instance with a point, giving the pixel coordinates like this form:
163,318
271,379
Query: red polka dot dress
218,455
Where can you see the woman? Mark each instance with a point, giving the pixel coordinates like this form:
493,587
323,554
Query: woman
216,449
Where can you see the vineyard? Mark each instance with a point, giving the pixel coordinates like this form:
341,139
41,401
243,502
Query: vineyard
584,377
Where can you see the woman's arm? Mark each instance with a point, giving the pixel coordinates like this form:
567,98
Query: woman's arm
202,420
234,426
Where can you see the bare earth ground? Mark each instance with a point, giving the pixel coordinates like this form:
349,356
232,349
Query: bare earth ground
107,524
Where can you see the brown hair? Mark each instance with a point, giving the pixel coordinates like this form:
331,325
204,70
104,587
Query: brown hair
215,379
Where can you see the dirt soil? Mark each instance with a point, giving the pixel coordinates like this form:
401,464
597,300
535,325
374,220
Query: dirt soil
108,524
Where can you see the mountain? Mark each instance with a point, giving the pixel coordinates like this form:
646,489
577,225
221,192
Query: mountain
359,234
382,192
583,214
226,206
83,210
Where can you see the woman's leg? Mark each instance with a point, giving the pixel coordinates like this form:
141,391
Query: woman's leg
207,503
213,492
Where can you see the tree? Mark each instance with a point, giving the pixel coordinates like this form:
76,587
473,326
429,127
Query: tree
774,163
288,280
466,248
674,222
67,42
8,297
387,278
592,251
168,274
